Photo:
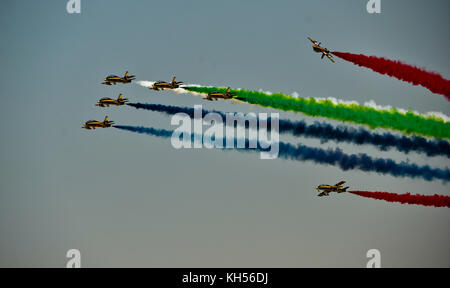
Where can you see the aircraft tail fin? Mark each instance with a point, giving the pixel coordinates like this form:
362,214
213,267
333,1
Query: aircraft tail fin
126,75
228,90
345,188
120,97
106,119
323,55
174,79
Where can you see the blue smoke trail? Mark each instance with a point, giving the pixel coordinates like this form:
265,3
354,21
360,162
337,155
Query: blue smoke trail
326,132
362,162
146,130
332,157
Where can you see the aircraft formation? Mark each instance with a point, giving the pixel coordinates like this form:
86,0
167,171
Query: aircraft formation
211,96
106,102
157,86
217,95
162,85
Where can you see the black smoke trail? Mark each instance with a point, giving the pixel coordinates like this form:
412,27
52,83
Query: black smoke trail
326,132
334,157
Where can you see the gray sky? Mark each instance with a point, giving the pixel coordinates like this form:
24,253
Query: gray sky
125,199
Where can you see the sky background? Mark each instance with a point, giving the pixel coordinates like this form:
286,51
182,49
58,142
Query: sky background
125,199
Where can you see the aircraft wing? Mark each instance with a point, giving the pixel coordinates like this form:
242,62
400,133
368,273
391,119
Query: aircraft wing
329,57
313,41
340,183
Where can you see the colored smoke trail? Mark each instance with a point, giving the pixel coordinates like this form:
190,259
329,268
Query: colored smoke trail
362,136
167,109
404,72
408,123
326,132
146,130
146,84
334,157
425,200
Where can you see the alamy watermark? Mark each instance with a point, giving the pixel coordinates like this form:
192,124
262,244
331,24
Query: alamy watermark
74,256
73,6
375,258
227,133
373,6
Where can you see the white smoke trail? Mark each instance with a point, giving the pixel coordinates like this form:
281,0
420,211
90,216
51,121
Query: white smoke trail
372,104
295,94
146,84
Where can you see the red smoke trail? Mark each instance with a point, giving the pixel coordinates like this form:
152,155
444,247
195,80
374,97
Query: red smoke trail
425,200
417,76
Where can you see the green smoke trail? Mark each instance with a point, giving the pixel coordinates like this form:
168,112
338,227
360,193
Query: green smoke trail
408,123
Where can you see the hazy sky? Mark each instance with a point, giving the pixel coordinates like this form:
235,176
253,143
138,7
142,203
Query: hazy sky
125,199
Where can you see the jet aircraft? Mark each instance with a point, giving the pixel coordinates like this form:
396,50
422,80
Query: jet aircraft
92,124
161,85
319,49
105,102
216,95
326,189
113,79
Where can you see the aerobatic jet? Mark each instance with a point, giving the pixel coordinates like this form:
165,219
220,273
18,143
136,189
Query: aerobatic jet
113,79
92,124
216,95
105,102
161,85
326,189
319,49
